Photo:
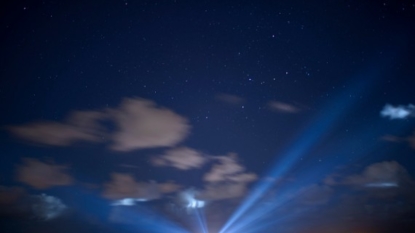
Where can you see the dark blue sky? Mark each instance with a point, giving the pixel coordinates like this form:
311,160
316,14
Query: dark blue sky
219,96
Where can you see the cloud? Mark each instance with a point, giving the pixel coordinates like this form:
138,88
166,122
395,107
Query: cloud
223,190
47,207
398,112
142,124
229,99
391,138
10,195
228,169
124,186
169,187
408,139
377,174
227,179
42,175
282,107
182,158
139,124
80,126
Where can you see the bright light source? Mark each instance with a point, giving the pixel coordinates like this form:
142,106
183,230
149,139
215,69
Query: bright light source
193,203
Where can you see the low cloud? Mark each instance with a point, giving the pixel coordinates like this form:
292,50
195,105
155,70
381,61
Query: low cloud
398,112
227,179
124,186
142,124
80,126
382,175
228,169
47,207
282,107
42,175
10,195
229,99
408,139
169,187
223,190
182,158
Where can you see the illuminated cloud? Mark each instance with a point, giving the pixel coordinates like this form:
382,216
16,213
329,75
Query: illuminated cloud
189,200
229,99
125,189
386,174
282,107
124,186
142,124
228,169
182,158
227,179
80,126
145,193
398,112
47,207
42,175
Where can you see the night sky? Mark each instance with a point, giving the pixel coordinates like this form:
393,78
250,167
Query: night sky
207,116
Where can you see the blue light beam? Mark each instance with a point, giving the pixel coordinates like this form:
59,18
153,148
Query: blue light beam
201,219
313,134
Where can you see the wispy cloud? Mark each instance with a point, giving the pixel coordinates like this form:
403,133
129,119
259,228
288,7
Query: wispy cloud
229,99
182,158
42,175
407,139
282,107
398,112
79,126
